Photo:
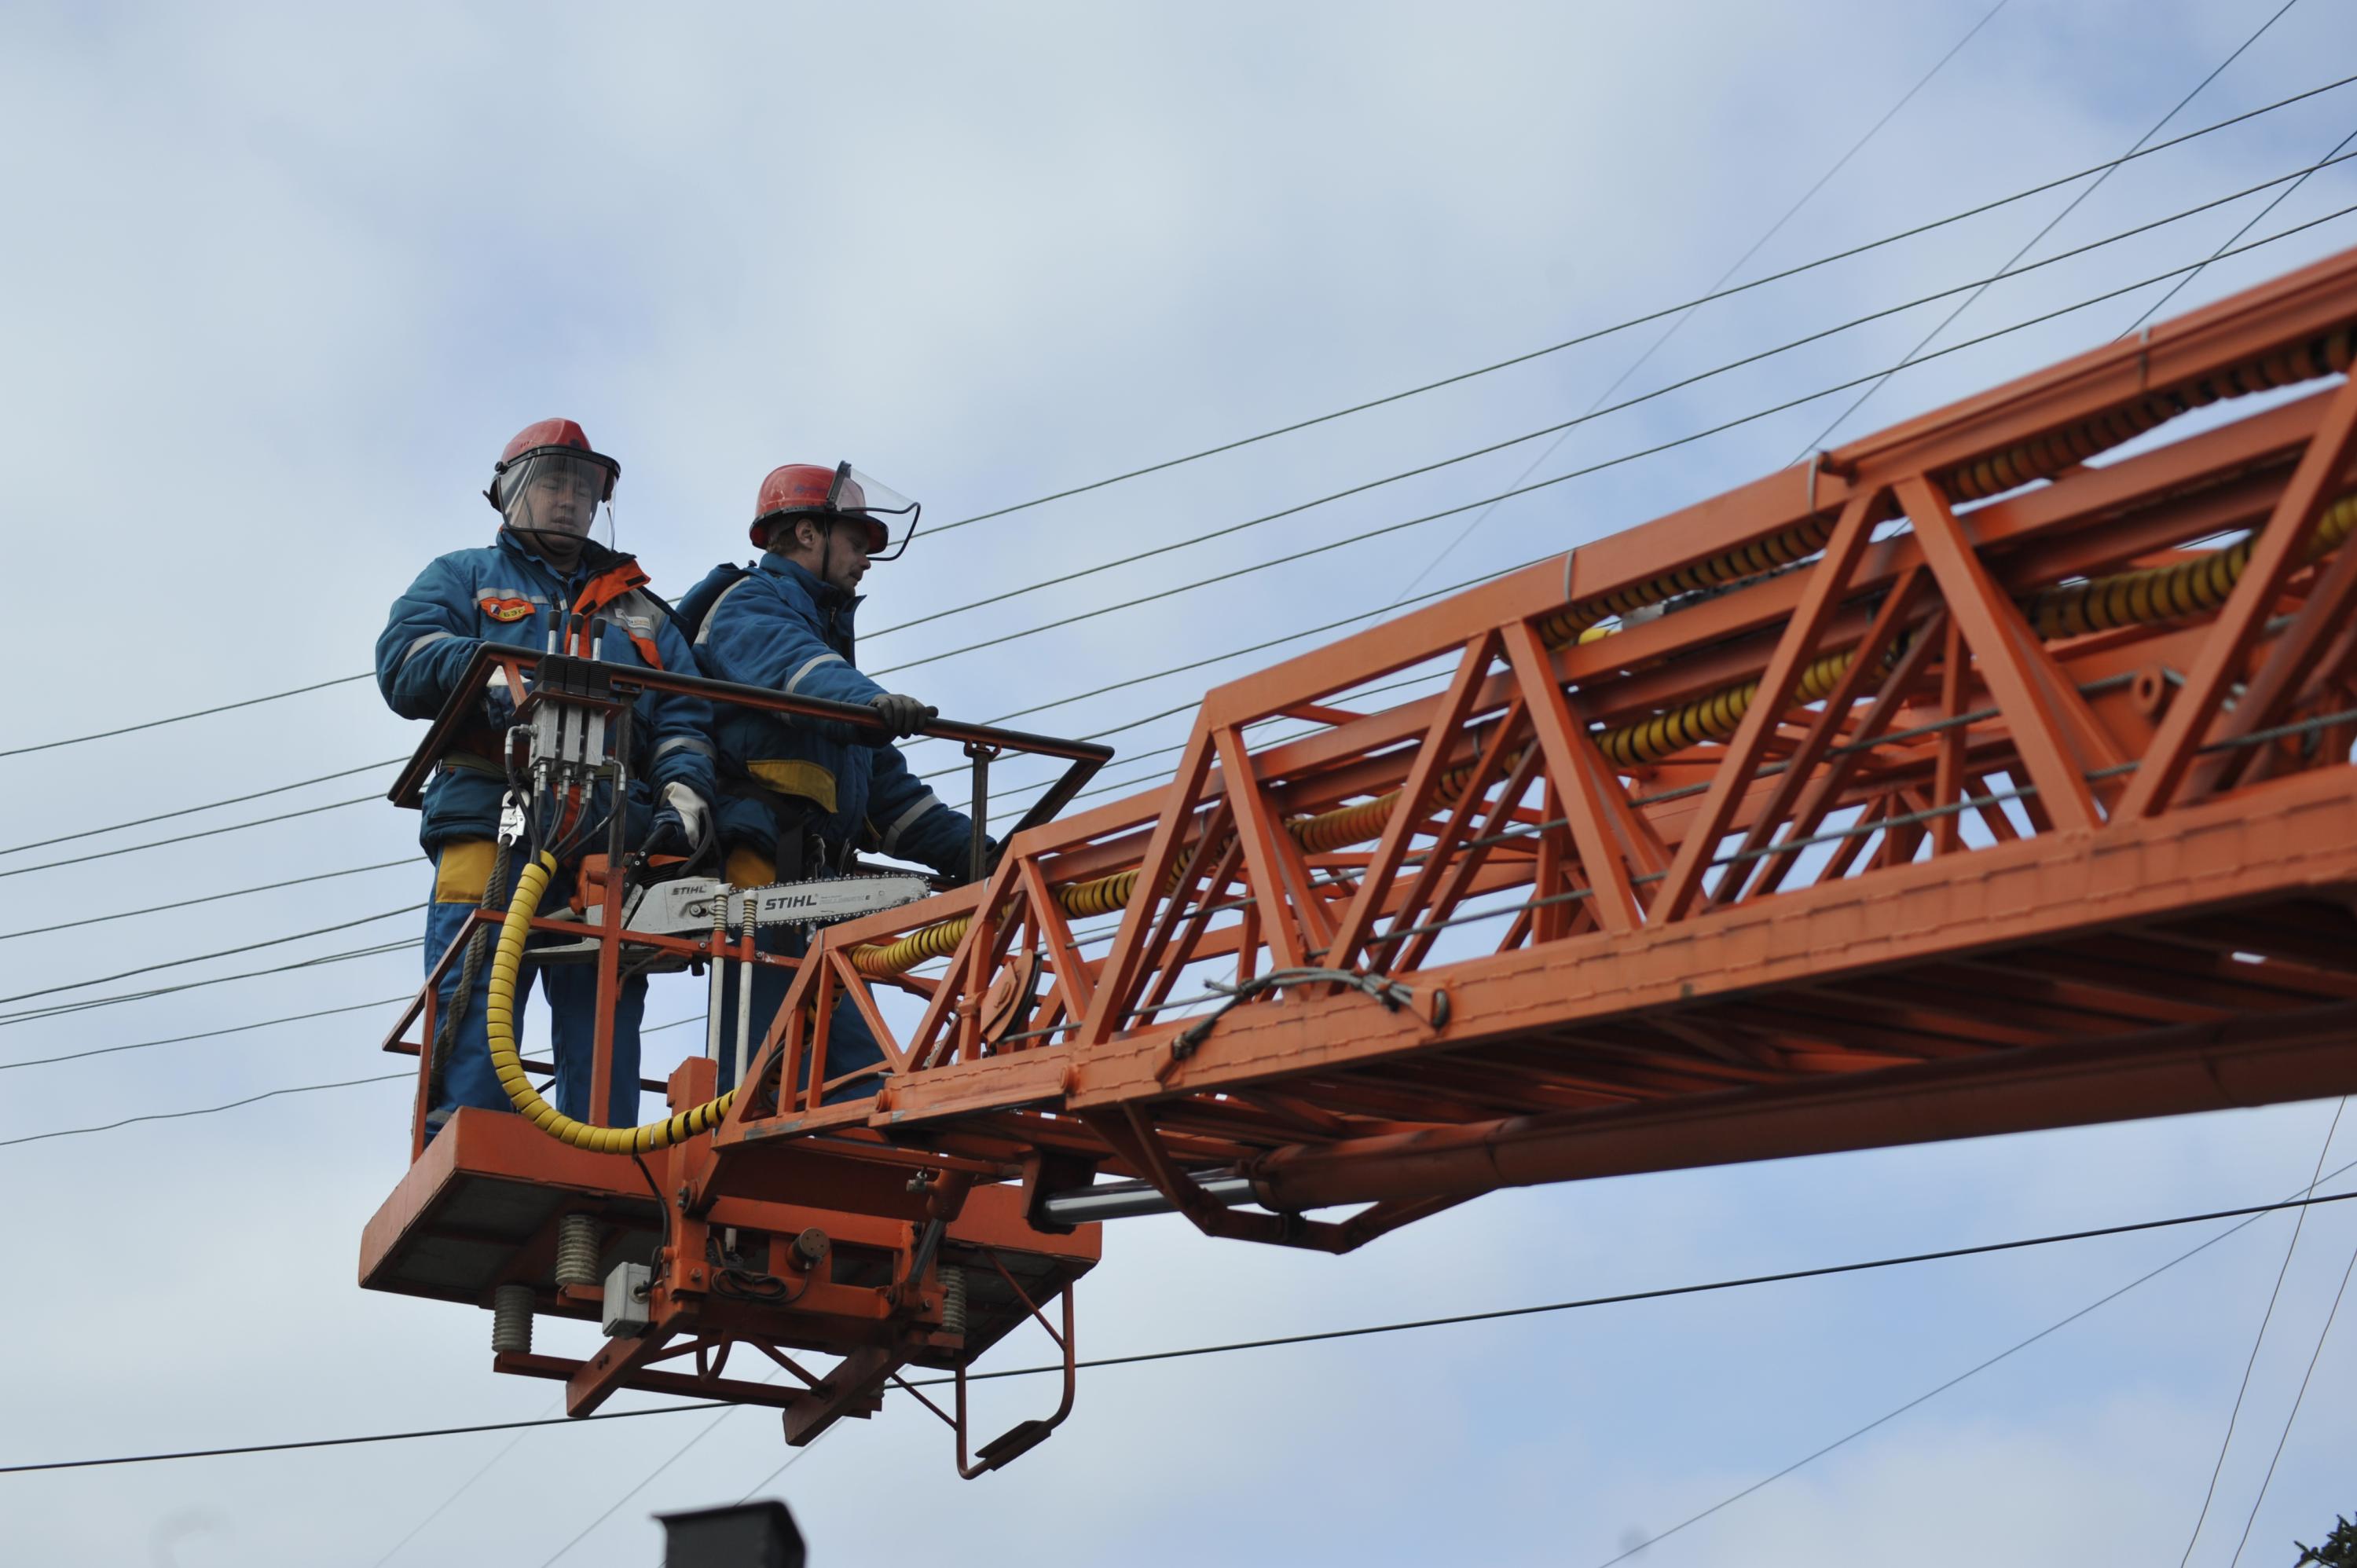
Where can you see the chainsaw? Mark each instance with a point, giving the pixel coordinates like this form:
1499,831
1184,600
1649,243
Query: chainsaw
690,906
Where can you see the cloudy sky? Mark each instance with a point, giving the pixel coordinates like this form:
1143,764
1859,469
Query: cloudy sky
281,281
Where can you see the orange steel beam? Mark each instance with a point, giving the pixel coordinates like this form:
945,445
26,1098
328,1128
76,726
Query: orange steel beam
1757,881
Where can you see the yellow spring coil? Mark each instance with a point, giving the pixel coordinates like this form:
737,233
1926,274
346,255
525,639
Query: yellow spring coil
500,1027
2047,455
2139,597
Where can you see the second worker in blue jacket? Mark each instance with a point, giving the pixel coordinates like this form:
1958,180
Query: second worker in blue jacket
800,797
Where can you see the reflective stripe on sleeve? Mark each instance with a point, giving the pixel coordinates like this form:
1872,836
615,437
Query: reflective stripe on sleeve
795,682
907,820
410,652
692,743
704,632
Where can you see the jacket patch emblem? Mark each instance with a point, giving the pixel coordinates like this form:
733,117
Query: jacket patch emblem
507,609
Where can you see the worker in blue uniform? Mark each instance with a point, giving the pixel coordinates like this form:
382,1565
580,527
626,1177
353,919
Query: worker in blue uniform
541,573
800,797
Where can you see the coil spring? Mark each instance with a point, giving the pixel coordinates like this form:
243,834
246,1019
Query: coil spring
576,1250
952,1300
512,1319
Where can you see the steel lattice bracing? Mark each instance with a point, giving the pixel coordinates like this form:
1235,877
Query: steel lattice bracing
1922,822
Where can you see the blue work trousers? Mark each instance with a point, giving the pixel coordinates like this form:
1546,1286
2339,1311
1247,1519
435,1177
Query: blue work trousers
850,1044
572,992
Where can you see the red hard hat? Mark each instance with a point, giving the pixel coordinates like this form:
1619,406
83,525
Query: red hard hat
550,435
807,487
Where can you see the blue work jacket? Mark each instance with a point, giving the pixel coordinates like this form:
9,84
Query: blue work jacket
779,627
505,593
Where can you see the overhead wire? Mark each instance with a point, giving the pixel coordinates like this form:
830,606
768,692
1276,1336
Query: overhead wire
1929,1394
192,714
235,1104
203,1110
2246,1215
2251,222
203,1034
208,806
1688,439
189,838
34,1015
2071,207
1597,411
2258,1340
2293,1414
1474,522
706,1430
206,957
410,861
474,1474
1663,312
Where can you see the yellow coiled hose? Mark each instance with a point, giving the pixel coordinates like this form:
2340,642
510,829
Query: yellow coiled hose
499,1028
2139,597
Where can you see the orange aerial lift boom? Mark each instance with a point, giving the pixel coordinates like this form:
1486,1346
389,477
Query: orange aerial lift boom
1946,785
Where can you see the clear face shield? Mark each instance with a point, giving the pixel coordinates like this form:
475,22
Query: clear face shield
891,518
553,493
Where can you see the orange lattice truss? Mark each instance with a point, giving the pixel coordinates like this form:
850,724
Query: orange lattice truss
1946,785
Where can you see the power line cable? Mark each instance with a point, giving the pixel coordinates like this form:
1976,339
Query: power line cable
2154,308
677,1454
192,714
1597,411
2227,1441
203,1035
2249,1215
206,957
1651,315
205,1110
1260,647
1360,538
208,898
210,805
34,1015
1966,304
473,1475
2015,1348
1478,519
263,1023
186,838
1663,312
2285,1437
792,1459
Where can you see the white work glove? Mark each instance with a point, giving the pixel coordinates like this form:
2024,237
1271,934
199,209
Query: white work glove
689,807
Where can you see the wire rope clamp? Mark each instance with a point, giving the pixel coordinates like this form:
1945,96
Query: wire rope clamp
1429,1004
